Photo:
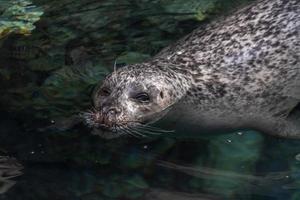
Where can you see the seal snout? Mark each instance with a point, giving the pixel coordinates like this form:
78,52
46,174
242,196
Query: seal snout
107,118
113,112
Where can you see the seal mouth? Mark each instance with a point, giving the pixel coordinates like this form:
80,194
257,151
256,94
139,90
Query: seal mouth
95,119
108,129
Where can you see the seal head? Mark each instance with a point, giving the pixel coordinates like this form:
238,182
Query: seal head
130,98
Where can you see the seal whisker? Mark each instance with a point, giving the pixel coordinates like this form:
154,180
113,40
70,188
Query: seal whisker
127,131
154,130
149,131
88,118
114,75
86,114
137,132
149,127
120,132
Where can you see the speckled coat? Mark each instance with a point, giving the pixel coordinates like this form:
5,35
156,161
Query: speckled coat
247,63
240,71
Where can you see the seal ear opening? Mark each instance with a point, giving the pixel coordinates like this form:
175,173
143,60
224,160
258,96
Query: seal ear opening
161,94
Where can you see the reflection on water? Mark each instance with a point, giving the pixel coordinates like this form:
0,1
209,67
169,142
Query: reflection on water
9,169
77,165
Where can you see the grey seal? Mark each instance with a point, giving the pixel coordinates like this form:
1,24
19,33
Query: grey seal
238,72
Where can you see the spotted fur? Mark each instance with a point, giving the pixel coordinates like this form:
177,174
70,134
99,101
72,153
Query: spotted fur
239,71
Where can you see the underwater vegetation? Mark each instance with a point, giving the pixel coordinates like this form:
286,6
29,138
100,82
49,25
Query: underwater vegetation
18,16
9,169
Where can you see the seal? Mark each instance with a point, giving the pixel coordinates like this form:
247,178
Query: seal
238,72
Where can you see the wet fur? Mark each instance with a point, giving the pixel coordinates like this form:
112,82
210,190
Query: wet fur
242,71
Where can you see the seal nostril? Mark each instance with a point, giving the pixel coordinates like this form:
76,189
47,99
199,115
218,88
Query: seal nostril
113,111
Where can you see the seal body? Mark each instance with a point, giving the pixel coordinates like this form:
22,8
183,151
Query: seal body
239,72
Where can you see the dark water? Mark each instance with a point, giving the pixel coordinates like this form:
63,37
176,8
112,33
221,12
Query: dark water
242,165
47,74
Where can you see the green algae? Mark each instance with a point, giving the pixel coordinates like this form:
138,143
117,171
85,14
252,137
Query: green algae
18,16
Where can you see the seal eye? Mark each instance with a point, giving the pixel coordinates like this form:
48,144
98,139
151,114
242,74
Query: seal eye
142,97
161,95
105,92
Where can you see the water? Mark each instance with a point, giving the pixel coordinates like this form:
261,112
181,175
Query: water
47,75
